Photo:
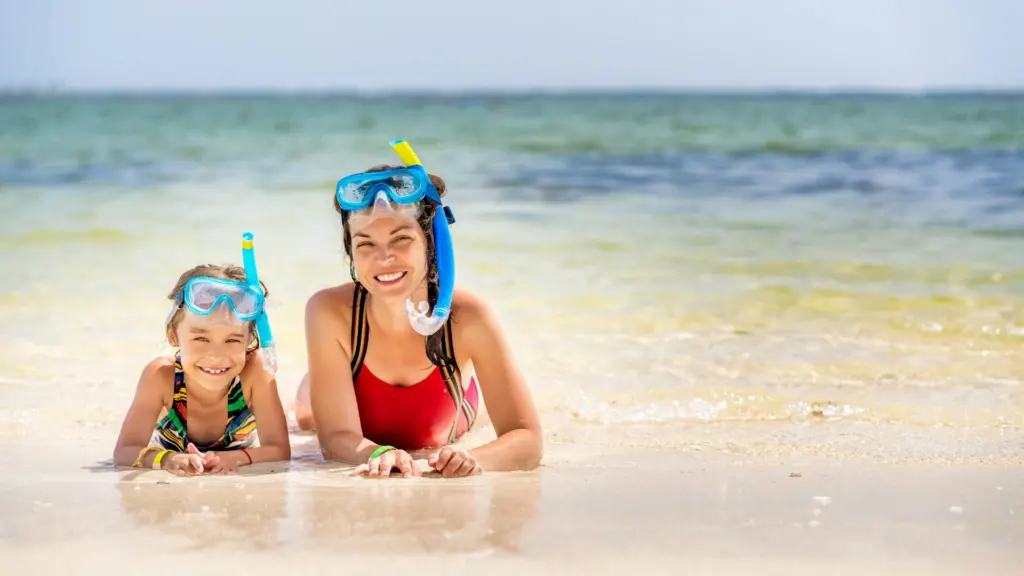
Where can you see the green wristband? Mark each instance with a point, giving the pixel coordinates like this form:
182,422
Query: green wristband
380,451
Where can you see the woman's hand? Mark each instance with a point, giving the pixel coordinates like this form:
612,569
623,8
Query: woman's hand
454,462
382,466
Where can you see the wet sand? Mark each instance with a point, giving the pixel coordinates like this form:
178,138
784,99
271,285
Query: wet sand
663,511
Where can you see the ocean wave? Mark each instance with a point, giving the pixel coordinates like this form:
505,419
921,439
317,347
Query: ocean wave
739,407
975,189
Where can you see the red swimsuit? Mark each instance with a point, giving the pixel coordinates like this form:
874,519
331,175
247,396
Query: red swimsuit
423,415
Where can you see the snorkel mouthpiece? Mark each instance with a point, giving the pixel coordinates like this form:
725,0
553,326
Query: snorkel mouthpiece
422,321
262,322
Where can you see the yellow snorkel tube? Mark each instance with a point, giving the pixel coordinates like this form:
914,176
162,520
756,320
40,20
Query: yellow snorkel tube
405,153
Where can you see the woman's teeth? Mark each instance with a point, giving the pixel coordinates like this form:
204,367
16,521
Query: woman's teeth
214,371
389,278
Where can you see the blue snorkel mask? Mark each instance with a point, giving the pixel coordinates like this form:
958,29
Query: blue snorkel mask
400,192
203,294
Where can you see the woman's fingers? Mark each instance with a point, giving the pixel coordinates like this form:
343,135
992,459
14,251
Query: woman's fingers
467,467
407,466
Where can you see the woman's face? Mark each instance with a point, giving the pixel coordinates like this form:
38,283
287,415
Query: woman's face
390,256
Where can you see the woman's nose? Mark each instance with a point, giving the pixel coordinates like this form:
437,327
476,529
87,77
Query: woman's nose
386,255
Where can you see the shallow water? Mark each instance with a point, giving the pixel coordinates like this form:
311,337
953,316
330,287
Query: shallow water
656,260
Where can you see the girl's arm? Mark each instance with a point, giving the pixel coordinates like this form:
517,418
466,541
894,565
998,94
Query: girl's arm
151,394
519,445
271,424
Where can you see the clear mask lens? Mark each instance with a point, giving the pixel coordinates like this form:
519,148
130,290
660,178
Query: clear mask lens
383,207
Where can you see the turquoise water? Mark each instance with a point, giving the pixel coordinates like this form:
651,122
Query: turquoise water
661,259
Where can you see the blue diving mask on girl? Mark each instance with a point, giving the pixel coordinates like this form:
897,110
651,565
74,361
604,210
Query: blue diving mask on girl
203,296
400,193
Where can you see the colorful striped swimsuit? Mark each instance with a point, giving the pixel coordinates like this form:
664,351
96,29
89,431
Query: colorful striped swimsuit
172,430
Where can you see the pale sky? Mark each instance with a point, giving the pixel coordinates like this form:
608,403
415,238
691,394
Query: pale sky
520,44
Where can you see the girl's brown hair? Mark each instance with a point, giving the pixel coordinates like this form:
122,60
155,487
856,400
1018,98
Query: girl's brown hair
434,342
224,272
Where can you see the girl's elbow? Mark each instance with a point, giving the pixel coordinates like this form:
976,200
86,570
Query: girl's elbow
123,456
282,452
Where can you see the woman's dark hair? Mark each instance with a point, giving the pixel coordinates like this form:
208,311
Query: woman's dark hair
434,342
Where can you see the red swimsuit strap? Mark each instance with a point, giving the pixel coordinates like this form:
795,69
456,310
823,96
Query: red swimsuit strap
450,372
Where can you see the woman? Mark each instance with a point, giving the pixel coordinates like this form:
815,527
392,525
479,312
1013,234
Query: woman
386,381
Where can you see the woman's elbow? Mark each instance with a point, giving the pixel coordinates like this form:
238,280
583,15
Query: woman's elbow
532,449
536,452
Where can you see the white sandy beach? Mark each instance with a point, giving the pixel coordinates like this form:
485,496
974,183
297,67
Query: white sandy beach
662,511
746,360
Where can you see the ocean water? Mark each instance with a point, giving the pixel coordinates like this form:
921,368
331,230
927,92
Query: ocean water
691,266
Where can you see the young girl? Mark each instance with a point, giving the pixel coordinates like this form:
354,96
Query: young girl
385,384
215,389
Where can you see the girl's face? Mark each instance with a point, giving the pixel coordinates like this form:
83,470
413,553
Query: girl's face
212,347
390,257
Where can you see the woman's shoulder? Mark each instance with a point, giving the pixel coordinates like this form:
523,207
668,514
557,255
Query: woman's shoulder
472,313
334,302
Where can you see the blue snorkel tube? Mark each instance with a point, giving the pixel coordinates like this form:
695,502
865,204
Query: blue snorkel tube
262,322
424,322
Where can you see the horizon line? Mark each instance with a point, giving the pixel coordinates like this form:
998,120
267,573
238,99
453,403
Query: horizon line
57,90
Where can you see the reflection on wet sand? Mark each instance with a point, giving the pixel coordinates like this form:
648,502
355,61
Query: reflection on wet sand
489,513
207,512
316,507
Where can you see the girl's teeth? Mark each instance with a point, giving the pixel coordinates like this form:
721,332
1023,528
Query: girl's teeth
390,277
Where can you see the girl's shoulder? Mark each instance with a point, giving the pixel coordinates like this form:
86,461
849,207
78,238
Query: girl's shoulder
158,377
160,368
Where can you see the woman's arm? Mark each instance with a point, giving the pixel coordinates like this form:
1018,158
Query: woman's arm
140,421
332,395
271,424
519,445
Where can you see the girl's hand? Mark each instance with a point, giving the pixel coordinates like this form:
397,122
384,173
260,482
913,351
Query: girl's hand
227,462
210,459
182,464
454,462
381,466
